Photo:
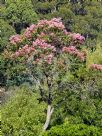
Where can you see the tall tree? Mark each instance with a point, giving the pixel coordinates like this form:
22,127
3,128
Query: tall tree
47,50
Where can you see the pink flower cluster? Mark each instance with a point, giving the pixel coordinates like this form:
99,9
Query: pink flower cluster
75,36
42,23
55,22
15,39
70,49
96,66
73,51
39,36
25,50
78,37
43,45
29,30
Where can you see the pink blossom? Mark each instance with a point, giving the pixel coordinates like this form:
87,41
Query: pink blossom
25,47
27,33
73,51
28,50
78,37
43,45
17,54
96,66
32,48
70,49
42,23
55,22
32,27
15,39
50,56
80,55
38,42
41,35
24,51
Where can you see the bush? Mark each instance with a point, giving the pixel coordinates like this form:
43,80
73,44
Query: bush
73,130
23,115
82,104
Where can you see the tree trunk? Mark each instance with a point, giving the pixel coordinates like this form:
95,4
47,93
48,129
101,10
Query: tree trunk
48,117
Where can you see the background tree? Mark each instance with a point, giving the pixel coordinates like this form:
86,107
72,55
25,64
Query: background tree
5,32
18,13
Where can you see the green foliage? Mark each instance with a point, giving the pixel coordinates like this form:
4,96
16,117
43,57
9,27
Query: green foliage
95,56
29,116
5,32
79,104
23,115
19,13
73,130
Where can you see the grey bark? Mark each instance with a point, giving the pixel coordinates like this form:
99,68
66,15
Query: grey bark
48,117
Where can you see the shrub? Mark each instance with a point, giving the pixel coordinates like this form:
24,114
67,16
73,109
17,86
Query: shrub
22,115
73,130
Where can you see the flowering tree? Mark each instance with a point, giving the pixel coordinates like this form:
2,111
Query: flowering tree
45,49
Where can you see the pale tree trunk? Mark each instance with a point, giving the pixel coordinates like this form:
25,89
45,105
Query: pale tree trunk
48,117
